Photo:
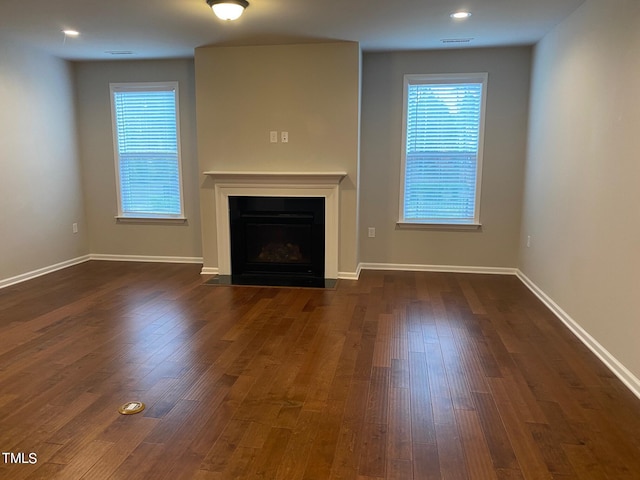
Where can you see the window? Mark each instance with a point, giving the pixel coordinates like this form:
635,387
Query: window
147,150
442,149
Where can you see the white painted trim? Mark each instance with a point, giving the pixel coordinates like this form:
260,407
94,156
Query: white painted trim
42,271
619,370
349,275
265,188
209,271
143,258
294,178
437,226
179,220
438,268
448,78
167,86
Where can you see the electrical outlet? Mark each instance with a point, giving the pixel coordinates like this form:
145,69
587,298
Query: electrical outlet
528,241
74,228
284,137
372,232
273,136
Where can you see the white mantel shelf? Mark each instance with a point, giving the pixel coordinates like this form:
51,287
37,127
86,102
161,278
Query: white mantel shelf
278,177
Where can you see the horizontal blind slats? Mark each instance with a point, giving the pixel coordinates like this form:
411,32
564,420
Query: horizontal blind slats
443,129
148,152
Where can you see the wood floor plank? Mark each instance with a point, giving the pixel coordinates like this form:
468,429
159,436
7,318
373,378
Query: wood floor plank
423,428
125,440
583,463
294,459
225,445
530,459
399,430
476,450
426,464
495,434
351,436
398,375
268,460
373,457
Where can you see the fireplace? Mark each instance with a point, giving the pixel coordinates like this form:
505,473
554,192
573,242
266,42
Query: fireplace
277,240
294,185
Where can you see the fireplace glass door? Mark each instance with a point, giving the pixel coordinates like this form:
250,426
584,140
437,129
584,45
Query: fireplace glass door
277,236
279,243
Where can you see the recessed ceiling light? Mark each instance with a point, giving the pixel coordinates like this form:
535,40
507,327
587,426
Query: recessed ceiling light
460,15
71,33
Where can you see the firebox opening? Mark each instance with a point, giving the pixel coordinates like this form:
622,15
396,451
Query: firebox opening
277,240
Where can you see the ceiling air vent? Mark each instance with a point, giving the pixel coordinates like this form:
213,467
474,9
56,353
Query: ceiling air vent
456,40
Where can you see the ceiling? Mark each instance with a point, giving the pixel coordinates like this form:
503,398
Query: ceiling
136,29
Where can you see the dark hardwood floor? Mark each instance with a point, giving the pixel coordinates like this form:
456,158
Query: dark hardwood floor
395,376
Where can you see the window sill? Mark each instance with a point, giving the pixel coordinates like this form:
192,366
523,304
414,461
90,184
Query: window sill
438,226
151,219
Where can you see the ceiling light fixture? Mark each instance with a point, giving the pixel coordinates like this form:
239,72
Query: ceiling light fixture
71,33
460,15
228,9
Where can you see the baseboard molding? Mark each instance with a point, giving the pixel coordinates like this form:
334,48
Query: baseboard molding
144,258
209,271
437,268
43,271
350,275
618,369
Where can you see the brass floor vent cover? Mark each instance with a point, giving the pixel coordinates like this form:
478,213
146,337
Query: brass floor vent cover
130,408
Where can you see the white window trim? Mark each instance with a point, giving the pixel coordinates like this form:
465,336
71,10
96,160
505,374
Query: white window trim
413,79
146,87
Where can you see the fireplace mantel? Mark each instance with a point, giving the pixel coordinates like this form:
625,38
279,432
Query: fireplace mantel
277,177
282,184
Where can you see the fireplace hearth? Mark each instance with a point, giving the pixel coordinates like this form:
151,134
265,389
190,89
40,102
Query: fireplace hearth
277,240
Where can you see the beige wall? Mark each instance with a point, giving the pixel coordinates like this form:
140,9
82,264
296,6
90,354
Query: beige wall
96,150
312,91
582,200
40,184
496,245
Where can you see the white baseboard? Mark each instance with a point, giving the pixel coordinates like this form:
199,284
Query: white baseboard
85,258
619,370
43,271
350,275
144,258
209,271
438,268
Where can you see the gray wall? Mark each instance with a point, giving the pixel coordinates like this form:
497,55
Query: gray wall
496,245
582,197
97,153
40,181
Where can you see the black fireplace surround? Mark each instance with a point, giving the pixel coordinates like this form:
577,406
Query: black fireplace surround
277,240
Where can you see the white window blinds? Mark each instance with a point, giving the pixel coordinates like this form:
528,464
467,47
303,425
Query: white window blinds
146,138
442,152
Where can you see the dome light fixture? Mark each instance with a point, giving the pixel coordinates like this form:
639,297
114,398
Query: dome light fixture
461,15
228,9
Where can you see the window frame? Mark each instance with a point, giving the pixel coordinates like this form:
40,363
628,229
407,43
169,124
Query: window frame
146,87
452,78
